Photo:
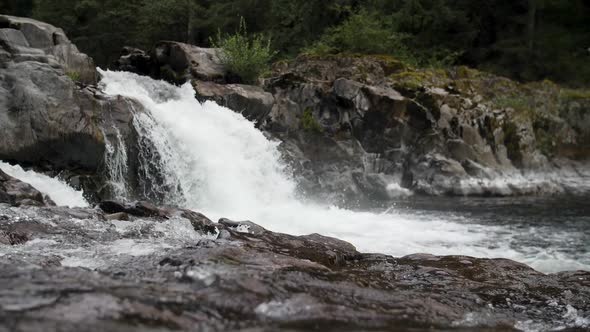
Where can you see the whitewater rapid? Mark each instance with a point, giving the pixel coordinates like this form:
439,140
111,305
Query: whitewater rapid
59,191
216,162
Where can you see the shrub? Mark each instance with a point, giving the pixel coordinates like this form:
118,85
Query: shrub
363,32
244,55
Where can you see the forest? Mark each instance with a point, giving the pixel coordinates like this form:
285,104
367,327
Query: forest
527,40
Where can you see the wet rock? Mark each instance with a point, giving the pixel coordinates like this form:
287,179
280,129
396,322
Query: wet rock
251,101
199,222
18,193
51,113
267,281
117,216
243,226
138,209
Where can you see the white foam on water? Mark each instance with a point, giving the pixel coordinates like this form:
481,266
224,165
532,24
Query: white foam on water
225,167
59,191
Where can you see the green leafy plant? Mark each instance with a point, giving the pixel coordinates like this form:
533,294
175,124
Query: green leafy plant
308,122
73,75
363,32
244,55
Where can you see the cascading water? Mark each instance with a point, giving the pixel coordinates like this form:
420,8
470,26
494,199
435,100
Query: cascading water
60,192
218,163
117,164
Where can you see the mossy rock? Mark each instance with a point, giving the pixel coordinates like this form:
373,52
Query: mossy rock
309,123
420,79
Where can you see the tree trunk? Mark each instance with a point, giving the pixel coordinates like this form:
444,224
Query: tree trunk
531,26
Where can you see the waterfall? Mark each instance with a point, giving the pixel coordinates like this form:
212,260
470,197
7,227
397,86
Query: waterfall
117,164
60,192
212,160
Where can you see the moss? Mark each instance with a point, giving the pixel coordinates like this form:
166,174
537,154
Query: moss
390,64
517,102
417,79
574,94
308,122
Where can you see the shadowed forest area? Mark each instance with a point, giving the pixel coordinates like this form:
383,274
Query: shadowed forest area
522,39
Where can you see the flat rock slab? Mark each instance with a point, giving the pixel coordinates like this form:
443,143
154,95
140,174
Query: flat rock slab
257,280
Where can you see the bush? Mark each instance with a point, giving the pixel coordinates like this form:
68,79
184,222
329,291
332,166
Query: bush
364,32
244,55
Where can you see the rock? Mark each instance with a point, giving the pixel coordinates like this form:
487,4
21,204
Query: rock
200,222
421,126
138,209
243,226
117,216
263,281
175,62
142,209
49,111
134,60
49,41
251,101
18,193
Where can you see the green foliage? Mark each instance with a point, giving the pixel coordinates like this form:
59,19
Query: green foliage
244,55
74,76
363,32
518,103
308,122
522,39
16,7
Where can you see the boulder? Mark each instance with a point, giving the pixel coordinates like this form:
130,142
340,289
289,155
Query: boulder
51,114
18,193
251,101
175,62
33,40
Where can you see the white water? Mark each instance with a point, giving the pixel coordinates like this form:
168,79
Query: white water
223,166
60,192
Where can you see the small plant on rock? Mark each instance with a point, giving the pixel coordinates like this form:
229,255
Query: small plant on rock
244,55
74,76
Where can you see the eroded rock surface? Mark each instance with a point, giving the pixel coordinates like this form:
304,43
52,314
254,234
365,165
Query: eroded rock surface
66,269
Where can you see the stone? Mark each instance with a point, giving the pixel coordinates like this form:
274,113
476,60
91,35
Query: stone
18,193
267,281
122,216
251,101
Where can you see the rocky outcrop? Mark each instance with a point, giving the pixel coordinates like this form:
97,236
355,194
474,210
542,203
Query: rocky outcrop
364,124
175,62
51,114
251,101
25,39
245,277
367,128
18,193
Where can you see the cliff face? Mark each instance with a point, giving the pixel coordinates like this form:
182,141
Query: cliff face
435,131
370,127
52,115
